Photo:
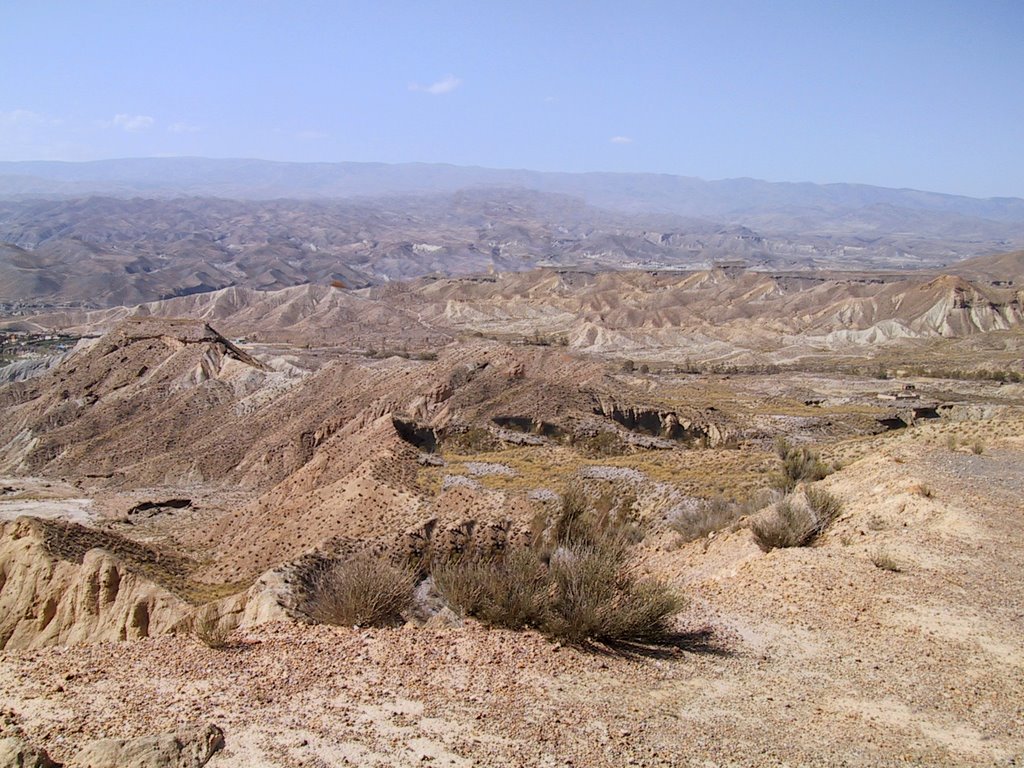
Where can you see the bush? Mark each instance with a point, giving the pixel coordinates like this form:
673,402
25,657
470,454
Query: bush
603,443
825,506
509,590
799,465
710,515
472,440
884,561
788,525
208,629
577,587
360,591
596,597
792,524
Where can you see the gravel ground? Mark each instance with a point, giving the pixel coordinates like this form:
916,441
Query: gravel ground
820,659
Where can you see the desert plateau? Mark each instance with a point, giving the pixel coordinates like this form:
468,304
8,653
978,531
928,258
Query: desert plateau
511,385
568,514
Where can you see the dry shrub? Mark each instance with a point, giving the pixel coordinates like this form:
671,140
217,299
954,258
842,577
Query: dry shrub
789,525
825,506
579,520
884,561
472,440
603,443
595,596
923,490
709,516
799,465
578,589
508,590
797,525
977,447
210,631
361,591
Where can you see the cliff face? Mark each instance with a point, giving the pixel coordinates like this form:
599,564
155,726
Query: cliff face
48,600
58,588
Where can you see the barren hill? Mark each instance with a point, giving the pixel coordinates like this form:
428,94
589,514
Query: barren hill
105,251
723,315
835,548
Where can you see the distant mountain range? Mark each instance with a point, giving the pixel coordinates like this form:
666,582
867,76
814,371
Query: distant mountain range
637,192
125,231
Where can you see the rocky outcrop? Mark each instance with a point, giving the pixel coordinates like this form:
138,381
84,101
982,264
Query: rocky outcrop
56,589
16,751
190,748
664,424
46,599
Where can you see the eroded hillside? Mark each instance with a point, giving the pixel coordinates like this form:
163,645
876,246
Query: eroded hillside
177,484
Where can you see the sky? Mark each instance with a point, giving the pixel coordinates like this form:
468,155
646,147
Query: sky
899,93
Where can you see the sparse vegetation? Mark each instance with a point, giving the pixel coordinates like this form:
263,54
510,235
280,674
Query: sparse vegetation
707,517
575,584
472,440
603,443
977,447
799,464
825,506
210,631
796,524
787,526
359,591
924,490
884,561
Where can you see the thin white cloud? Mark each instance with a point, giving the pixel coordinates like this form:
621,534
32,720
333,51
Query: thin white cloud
445,85
183,128
133,123
550,99
21,118
620,140
310,135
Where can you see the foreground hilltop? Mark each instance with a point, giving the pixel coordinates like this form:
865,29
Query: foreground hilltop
857,665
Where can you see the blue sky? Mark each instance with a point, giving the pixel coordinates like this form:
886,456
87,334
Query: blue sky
927,95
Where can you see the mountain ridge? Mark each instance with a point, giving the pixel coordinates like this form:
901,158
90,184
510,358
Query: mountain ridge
269,179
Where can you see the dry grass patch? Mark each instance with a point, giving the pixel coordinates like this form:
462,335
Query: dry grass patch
359,591
796,522
705,518
576,583
884,561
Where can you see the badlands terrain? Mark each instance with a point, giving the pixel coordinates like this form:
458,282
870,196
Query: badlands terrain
176,474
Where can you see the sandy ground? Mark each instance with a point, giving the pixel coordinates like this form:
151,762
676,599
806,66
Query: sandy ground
43,497
819,658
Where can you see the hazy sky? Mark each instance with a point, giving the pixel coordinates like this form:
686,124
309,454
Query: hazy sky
907,94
